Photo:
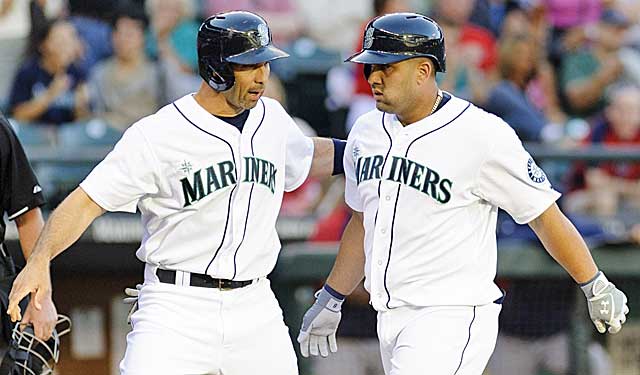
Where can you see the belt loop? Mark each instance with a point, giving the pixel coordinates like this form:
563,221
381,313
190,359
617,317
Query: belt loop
183,278
150,273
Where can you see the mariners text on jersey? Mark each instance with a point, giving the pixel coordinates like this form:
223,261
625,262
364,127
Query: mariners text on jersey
222,175
406,172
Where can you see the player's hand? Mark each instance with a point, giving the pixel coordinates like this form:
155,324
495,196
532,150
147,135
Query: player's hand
44,320
34,279
132,299
607,304
319,326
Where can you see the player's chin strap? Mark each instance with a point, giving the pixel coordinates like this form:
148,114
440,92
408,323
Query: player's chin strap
607,304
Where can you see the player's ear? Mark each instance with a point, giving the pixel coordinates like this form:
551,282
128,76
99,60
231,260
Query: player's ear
425,70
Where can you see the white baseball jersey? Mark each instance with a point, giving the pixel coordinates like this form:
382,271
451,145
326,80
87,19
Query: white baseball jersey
430,194
209,195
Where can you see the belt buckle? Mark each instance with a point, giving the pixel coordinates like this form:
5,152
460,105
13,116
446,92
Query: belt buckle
224,285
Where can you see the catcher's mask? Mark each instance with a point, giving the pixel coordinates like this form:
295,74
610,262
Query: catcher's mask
28,355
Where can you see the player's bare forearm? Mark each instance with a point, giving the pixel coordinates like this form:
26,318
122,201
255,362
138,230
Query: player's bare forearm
322,164
562,240
348,269
65,225
29,227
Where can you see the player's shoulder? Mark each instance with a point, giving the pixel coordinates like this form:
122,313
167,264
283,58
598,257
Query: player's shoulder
479,121
274,107
368,121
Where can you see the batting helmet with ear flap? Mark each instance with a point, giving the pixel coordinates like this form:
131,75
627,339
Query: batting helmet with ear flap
400,36
28,355
233,37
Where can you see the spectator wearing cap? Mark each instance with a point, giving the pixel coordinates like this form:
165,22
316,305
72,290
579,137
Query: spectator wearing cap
585,74
124,88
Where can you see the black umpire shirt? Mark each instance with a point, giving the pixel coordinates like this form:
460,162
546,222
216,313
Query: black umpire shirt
19,188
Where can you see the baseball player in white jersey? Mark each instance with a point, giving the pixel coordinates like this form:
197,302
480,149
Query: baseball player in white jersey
426,173
207,173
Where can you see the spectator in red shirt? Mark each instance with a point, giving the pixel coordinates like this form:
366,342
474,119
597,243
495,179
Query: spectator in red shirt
611,188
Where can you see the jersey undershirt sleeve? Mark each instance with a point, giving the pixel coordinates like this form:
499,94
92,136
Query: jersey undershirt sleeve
299,156
510,179
126,175
351,195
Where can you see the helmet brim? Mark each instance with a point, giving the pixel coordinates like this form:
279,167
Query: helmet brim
375,57
258,55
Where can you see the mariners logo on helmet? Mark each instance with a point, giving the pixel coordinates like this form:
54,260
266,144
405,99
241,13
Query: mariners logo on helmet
400,36
368,38
263,33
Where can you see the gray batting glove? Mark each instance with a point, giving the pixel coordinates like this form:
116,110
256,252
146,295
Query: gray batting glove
607,304
132,299
319,325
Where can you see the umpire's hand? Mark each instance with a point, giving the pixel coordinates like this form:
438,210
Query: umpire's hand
607,304
43,320
34,279
319,325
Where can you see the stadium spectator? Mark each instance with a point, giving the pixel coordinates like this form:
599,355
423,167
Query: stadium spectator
49,87
173,32
124,88
525,75
282,15
90,18
330,23
171,40
471,51
586,73
611,188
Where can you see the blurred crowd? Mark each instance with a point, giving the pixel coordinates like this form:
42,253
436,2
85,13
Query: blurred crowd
561,72
564,73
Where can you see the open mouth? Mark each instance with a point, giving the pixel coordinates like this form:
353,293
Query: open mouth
256,93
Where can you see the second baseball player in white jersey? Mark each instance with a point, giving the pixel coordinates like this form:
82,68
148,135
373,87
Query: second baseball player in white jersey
425,175
430,220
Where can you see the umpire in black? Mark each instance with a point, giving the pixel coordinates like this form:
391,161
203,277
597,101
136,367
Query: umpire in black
20,199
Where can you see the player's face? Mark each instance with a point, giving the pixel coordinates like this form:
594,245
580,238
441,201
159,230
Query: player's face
393,86
250,82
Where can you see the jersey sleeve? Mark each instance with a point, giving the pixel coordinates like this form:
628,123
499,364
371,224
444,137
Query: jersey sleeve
20,189
299,155
510,179
127,174
351,195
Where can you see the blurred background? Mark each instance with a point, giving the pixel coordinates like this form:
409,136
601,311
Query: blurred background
565,74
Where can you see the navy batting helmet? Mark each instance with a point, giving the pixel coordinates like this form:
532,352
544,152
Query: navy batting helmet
233,37
399,36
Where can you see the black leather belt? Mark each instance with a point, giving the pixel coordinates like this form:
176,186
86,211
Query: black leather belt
201,280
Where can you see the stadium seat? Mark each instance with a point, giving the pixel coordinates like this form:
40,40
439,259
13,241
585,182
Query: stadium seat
91,133
34,134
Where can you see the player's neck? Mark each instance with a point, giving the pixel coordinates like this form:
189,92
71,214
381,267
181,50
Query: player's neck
421,109
215,103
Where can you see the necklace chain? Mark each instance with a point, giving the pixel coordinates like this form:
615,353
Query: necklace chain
437,102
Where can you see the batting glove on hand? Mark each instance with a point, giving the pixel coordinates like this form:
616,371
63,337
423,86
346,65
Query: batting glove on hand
319,325
132,299
607,304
